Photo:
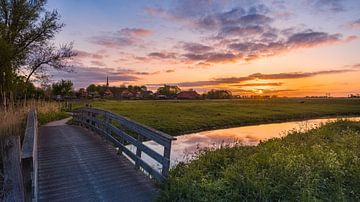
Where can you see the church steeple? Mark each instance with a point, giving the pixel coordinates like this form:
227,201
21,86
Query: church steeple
107,81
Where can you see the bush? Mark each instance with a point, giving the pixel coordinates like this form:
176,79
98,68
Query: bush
321,164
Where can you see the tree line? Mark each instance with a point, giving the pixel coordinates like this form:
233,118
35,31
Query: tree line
64,88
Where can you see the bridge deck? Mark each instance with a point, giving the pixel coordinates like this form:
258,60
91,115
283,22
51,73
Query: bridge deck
75,165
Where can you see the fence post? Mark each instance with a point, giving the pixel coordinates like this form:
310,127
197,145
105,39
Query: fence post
138,152
13,181
93,122
166,163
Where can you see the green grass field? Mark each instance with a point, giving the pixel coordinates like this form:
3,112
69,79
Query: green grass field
322,164
180,117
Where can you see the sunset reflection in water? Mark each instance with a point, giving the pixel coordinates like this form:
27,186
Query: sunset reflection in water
185,146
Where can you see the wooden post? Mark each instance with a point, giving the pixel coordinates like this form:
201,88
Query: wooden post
166,163
93,122
29,157
13,181
138,152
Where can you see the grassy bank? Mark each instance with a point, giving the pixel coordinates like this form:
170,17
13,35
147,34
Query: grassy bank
180,117
321,164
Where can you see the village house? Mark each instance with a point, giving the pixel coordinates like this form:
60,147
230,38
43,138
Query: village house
190,94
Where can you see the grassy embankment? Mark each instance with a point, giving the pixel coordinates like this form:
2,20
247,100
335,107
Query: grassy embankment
321,164
180,117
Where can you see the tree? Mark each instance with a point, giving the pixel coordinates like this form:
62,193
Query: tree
47,55
63,88
168,90
219,94
91,88
26,32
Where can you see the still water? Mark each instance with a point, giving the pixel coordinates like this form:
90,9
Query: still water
185,146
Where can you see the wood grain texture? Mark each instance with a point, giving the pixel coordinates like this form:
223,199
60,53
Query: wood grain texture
112,127
76,165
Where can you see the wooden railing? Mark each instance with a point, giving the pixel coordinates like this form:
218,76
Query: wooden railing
29,157
122,131
20,163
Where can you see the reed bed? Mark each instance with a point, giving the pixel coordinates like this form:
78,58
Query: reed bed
12,119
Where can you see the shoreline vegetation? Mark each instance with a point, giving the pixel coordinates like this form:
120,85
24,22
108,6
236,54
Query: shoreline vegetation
319,164
178,117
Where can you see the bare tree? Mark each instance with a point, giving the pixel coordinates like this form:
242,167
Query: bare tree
45,56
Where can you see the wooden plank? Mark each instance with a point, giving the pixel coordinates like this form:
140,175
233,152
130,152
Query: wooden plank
75,165
29,157
13,182
30,133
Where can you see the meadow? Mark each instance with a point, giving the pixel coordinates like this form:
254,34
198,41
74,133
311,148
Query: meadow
177,117
322,164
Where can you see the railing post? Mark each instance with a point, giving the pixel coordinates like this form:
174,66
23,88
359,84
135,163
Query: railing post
103,120
166,163
93,122
138,152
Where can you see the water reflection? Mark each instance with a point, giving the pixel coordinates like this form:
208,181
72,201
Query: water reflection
186,145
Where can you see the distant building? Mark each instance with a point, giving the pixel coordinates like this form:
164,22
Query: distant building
107,92
126,94
191,94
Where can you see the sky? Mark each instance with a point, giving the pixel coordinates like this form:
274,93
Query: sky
273,47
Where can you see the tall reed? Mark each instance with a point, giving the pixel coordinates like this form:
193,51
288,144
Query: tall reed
13,122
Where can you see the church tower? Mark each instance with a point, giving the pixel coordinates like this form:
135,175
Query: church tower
107,91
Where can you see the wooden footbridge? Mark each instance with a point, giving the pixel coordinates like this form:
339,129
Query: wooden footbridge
77,163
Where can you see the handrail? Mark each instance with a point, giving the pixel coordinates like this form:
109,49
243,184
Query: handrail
29,157
106,123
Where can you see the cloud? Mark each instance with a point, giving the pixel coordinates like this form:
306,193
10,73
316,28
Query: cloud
170,70
83,76
257,84
196,47
213,57
85,55
121,38
243,30
134,72
355,24
113,41
250,50
262,91
255,76
135,32
311,38
326,5
247,33
264,48
97,63
162,55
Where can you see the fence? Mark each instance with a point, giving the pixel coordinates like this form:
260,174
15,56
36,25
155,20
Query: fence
122,131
